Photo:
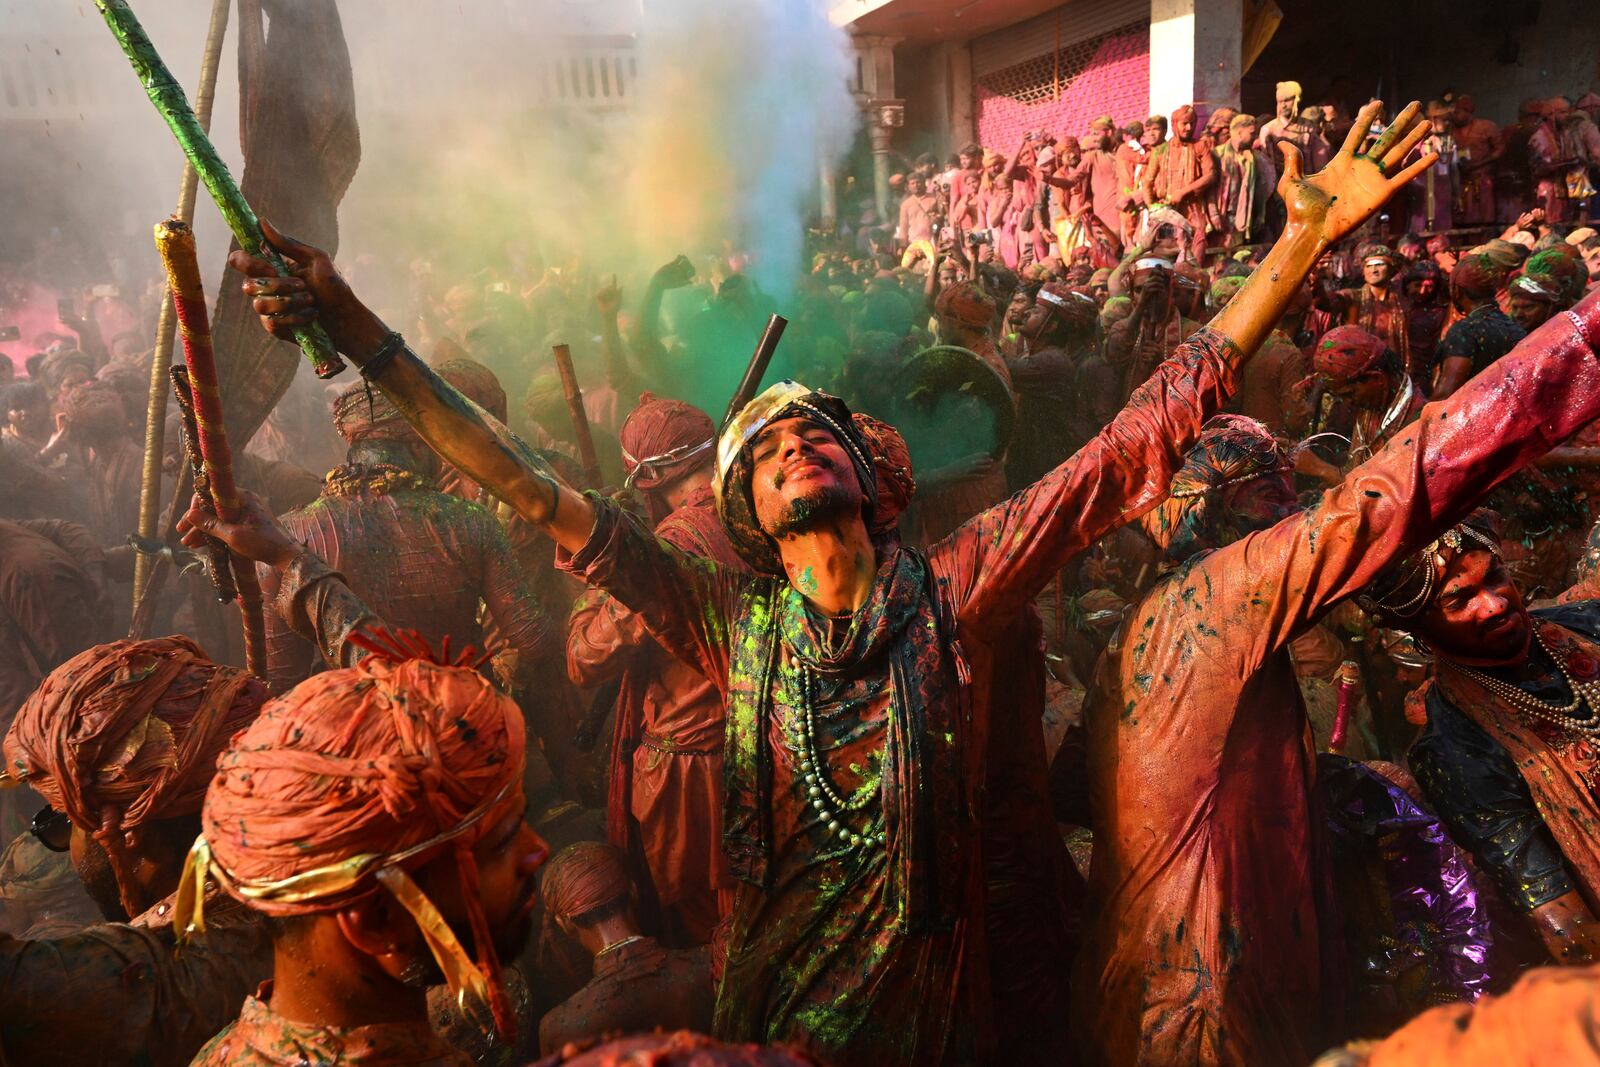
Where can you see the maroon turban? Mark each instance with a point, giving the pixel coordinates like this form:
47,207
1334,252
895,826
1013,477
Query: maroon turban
583,878
891,459
1073,307
1477,276
966,303
477,382
662,440
1345,353
681,1049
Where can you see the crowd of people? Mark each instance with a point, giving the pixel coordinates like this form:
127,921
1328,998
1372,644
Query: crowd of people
1162,628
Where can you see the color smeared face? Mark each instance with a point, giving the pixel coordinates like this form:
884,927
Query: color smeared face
801,477
1286,108
1242,136
1478,616
1376,271
1529,312
1423,289
1260,503
1183,126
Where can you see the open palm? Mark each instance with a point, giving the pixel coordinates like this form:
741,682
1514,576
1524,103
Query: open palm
1342,195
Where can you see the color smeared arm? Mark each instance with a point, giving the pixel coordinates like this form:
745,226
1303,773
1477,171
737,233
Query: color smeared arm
602,637
684,601
1430,476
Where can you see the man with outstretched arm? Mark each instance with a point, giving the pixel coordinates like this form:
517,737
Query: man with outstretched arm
858,674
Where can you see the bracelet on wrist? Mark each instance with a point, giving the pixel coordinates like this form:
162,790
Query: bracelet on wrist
391,347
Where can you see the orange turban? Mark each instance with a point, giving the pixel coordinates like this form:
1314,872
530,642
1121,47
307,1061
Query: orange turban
362,413
966,303
128,733
355,778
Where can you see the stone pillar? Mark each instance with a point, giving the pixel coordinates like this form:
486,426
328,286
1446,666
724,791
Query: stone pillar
1195,54
961,110
880,135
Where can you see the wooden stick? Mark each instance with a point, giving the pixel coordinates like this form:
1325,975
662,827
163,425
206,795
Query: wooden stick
580,419
756,369
176,242
155,426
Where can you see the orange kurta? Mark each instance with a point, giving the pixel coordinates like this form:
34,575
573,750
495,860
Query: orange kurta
1203,942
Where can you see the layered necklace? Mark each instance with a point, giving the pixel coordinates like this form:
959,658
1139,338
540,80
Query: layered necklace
830,805
1585,695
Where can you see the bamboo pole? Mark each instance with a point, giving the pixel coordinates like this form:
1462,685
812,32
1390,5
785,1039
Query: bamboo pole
155,426
176,242
580,419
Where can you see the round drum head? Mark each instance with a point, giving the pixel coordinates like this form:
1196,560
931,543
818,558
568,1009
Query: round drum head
951,404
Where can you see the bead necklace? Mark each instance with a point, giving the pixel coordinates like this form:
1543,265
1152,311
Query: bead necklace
824,796
1558,715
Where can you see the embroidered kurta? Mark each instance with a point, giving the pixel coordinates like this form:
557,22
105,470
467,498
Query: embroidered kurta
421,559
1203,932
876,955
263,1038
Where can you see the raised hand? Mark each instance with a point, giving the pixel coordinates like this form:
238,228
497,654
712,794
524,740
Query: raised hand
1341,196
675,275
314,291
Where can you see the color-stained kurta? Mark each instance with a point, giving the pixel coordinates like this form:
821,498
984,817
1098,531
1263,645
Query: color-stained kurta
875,954
1203,943
665,795
121,993
263,1038
422,560
637,986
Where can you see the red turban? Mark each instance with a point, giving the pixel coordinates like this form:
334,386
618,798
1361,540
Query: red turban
1477,276
128,733
967,304
584,877
312,803
362,413
1345,353
1186,111
478,383
891,459
1077,309
663,440
1231,449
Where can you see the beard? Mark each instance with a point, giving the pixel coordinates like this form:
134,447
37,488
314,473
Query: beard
807,511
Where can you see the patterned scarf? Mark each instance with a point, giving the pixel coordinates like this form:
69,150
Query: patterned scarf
901,631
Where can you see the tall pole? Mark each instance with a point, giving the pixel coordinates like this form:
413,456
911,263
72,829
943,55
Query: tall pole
155,425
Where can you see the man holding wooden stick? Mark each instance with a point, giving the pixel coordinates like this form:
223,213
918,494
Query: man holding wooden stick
858,674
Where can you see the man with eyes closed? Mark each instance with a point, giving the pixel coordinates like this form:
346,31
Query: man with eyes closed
864,681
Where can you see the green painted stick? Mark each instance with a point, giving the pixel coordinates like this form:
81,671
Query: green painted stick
168,97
